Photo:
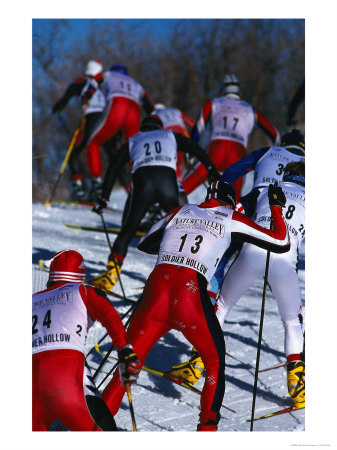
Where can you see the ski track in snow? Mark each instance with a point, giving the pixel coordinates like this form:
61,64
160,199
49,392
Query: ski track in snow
159,404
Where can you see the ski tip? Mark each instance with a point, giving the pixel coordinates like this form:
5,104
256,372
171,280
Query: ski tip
43,266
279,412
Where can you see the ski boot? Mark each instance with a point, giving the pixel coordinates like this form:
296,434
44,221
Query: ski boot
190,371
77,191
296,382
96,189
154,215
208,421
108,279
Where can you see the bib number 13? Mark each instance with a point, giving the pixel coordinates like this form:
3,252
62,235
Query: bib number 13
196,247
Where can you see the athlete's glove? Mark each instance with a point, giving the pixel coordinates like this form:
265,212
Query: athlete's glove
99,205
276,196
213,174
291,122
59,105
86,97
129,365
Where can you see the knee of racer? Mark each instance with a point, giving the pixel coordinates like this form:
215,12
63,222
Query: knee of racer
214,365
291,323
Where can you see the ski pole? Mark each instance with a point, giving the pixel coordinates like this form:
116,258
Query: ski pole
103,361
113,368
106,334
113,259
197,174
108,374
259,339
63,123
109,351
273,367
66,158
128,391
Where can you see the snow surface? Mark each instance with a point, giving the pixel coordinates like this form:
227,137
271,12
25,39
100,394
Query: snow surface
159,404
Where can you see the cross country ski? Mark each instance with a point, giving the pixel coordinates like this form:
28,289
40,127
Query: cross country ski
113,230
166,375
279,412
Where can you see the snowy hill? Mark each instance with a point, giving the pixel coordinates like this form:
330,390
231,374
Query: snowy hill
159,404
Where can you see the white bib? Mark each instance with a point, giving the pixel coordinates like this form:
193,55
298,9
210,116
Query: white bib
271,166
232,119
196,238
293,214
153,148
170,117
120,85
60,319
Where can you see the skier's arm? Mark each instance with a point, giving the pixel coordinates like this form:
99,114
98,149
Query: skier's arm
147,103
112,171
74,89
150,242
91,87
247,203
187,146
267,127
276,239
243,166
100,309
200,124
188,121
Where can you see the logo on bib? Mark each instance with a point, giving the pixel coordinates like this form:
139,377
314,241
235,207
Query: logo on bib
191,286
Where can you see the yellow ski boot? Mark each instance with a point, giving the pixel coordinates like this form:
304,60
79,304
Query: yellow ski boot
190,371
296,382
108,279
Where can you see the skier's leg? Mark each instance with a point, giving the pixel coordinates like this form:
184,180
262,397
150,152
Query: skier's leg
147,325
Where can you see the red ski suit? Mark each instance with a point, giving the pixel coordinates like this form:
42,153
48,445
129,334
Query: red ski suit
183,125
123,112
58,375
224,151
175,297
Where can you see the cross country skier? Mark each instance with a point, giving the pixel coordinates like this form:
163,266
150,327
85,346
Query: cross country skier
125,99
62,385
153,153
93,102
175,120
230,121
282,274
189,242
269,164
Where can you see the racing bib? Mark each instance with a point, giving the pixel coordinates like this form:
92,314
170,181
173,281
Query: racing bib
271,166
153,148
117,84
232,119
59,319
170,117
196,238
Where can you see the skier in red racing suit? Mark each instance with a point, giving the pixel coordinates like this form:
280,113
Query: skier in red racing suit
63,388
189,242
